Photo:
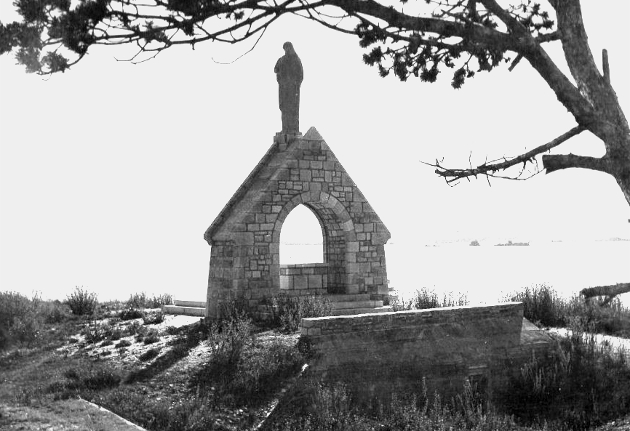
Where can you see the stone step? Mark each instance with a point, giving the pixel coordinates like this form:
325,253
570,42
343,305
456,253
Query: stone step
187,311
348,298
197,304
356,304
354,311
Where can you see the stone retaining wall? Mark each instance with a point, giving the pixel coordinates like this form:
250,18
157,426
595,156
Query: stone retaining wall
443,346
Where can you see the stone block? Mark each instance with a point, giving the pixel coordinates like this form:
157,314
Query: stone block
300,282
315,281
286,282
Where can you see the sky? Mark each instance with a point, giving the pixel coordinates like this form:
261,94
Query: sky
111,172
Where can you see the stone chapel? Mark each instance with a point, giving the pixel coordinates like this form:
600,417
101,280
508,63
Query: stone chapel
297,169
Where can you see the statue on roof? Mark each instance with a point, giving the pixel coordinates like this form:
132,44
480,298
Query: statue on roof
289,74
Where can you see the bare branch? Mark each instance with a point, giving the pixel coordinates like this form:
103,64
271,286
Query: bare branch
490,169
556,162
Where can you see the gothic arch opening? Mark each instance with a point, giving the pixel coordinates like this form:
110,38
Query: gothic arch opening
302,238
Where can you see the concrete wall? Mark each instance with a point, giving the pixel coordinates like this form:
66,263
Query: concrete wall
445,346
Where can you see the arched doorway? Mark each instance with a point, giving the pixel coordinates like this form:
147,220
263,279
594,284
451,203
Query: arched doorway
302,238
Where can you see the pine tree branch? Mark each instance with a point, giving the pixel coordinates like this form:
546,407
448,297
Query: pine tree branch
556,162
489,169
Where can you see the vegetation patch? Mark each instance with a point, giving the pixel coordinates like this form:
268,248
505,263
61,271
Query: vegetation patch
149,354
82,302
425,298
544,307
288,311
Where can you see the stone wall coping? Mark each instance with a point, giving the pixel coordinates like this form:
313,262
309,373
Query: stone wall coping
314,321
305,265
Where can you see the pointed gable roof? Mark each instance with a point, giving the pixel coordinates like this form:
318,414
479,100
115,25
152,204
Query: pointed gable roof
276,165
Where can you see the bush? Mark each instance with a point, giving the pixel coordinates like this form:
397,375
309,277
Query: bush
425,298
160,300
123,343
115,334
189,414
153,317
84,379
82,302
544,307
333,406
149,354
152,336
288,311
54,312
130,314
584,385
134,328
22,319
93,332
227,340
137,300
243,371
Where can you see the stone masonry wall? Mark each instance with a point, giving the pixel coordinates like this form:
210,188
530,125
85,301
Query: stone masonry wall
245,259
304,279
443,346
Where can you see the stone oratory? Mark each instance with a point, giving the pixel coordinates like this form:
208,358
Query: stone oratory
245,237
297,169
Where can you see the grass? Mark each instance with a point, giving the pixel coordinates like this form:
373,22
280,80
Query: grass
425,298
585,385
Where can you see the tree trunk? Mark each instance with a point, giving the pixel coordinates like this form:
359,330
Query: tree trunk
609,291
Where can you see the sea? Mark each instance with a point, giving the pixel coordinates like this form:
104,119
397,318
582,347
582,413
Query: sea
488,273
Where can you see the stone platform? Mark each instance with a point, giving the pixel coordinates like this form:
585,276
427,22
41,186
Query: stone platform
187,308
341,305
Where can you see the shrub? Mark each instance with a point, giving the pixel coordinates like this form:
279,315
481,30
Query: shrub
82,302
584,385
82,379
130,313
152,336
153,317
93,332
160,300
332,405
123,343
288,311
26,329
116,334
426,298
21,319
242,370
137,300
134,328
54,312
227,340
542,305
107,343
101,379
261,372
189,414
149,354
